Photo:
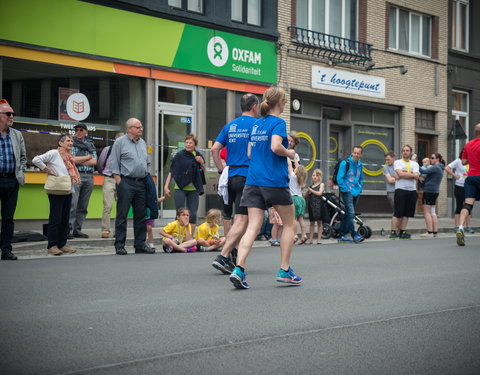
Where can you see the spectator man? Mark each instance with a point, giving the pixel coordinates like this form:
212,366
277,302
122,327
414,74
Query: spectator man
129,166
407,172
350,182
235,137
390,179
470,156
82,192
108,189
13,162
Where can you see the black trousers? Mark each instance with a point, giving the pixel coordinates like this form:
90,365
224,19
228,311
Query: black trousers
131,192
58,227
8,196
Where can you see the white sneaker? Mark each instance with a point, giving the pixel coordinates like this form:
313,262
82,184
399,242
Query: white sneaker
151,246
426,235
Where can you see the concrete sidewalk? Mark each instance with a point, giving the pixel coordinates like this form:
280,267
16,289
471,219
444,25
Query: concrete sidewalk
95,245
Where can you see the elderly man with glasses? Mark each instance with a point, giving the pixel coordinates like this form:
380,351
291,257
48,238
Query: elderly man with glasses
81,195
130,165
13,162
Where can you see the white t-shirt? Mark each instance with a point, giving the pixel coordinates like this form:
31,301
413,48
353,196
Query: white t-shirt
295,188
409,184
460,169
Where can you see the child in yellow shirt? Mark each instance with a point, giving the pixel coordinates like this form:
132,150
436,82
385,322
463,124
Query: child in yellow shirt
177,235
207,236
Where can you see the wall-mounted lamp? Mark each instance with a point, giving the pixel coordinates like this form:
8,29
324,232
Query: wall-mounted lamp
371,64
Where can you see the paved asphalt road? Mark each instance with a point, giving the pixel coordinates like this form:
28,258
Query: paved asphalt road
384,307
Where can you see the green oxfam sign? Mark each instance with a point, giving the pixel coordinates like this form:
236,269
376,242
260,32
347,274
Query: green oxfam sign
226,54
112,33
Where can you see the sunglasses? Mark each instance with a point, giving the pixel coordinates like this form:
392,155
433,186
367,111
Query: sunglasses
432,157
8,113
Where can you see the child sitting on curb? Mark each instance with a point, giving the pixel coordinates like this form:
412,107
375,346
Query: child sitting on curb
177,235
207,235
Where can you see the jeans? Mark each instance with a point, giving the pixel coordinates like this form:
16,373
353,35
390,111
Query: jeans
131,192
347,225
109,194
188,199
80,198
8,196
58,220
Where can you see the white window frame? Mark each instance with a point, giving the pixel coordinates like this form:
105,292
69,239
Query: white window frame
456,43
327,18
463,113
185,5
397,34
244,12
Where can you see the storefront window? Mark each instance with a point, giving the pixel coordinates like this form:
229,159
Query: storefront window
312,108
362,114
39,92
376,142
174,95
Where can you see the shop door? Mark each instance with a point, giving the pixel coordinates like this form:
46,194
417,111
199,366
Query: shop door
339,147
424,147
173,127
424,150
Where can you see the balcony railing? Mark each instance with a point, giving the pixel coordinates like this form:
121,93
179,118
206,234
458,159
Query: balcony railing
334,48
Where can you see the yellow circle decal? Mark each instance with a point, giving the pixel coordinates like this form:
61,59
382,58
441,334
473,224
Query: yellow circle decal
314,149
384,149
336,145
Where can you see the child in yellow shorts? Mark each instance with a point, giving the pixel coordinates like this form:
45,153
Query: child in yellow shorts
207,235
177,235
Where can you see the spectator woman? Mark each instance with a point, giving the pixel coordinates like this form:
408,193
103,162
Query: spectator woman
267,185
459,172
431,189
187,169
60,162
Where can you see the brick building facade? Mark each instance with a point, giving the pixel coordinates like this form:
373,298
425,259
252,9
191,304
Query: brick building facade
345,70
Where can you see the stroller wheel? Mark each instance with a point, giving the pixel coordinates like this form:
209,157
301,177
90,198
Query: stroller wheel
363,231
369,231
327,231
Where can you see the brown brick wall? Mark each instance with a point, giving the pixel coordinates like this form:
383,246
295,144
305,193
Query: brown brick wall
416,89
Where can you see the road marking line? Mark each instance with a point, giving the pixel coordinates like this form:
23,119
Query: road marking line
260,339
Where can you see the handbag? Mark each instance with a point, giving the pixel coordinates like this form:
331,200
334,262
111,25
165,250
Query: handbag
58,185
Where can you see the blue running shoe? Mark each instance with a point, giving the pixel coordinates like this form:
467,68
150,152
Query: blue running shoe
288,277
238,279
345,239
357,238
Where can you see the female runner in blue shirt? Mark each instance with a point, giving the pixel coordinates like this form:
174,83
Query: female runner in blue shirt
267,185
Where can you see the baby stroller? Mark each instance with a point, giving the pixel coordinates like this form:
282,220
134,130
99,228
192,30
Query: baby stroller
336,213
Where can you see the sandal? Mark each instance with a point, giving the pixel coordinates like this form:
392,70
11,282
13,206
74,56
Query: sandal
295,240
308,242
304,240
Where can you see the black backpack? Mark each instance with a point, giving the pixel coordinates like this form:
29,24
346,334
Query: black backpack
337,167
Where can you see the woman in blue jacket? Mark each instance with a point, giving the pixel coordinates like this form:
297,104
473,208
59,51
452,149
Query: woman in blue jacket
267,186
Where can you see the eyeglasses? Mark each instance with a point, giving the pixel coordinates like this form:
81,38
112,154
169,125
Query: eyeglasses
8,113
79,130
137,127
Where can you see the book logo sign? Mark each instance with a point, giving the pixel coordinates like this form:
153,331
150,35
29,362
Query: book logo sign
78,107
217,50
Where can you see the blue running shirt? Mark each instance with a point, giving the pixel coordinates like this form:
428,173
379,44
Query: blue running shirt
266,167
235,136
